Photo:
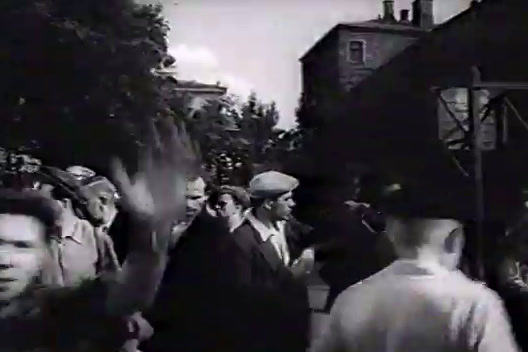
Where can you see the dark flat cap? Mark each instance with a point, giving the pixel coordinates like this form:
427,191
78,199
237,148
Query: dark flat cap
65,185
407,202
31,203
271,184
99,184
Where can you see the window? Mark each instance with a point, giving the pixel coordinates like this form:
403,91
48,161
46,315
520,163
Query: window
356,52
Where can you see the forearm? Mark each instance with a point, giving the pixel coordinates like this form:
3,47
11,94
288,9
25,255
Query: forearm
137,282
516,283
509,277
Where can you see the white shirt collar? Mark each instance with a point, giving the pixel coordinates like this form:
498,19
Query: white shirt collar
264,231
415,267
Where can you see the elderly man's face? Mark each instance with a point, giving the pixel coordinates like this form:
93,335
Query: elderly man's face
22,253
108,207
195,197
282,208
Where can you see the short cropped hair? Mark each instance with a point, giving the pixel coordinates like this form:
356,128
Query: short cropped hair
418,232
34,204
239,194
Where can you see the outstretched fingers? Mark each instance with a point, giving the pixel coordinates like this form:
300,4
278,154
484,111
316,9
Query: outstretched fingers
120,175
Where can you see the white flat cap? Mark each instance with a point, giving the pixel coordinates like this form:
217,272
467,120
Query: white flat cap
271,184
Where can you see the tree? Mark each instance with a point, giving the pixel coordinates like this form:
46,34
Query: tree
76,76
257,125
235,137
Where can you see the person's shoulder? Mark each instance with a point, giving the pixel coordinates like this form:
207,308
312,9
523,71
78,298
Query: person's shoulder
244,235
363,287
85,226
244,231
473,294
85,232
207,223
244,226
75,300
468,288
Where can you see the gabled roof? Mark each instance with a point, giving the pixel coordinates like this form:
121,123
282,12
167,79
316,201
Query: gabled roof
377,25
385,25
195,86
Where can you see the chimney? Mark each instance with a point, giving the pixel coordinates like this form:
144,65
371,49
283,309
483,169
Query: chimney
404,16
388,10
423,13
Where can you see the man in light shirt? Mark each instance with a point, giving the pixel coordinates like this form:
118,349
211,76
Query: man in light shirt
421,302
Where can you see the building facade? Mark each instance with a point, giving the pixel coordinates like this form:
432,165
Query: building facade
195,94
350,52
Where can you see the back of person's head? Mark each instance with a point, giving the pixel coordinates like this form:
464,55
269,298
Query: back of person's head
413,237
426,225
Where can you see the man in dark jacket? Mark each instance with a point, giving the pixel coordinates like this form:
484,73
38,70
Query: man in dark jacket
359,250
269,263
191,312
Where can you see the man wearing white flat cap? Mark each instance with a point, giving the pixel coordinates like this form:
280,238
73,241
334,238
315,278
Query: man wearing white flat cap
270,263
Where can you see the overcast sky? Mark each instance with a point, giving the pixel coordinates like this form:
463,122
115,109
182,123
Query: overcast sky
256,44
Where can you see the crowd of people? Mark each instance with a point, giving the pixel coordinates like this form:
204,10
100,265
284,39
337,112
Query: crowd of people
164,261
85,266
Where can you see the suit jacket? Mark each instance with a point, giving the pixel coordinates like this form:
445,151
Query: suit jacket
190,312
272,305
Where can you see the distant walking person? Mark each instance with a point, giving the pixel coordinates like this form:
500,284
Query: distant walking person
420,302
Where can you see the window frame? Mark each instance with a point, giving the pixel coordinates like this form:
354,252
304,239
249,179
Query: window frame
363,44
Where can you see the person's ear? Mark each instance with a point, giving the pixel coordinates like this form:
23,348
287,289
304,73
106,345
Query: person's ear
454,242
268,204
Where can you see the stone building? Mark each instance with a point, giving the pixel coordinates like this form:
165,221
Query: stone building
197,94
350,52
340,61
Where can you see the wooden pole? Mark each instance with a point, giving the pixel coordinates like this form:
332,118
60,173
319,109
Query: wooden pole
475,123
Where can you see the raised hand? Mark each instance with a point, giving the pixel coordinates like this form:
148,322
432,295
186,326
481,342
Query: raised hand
304,265
155,194
154,199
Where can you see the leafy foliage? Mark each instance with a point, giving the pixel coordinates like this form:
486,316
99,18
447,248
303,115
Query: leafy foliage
76,78
236,138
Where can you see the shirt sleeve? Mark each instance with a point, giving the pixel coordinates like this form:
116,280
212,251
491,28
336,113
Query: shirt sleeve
107,261
490,327
330,339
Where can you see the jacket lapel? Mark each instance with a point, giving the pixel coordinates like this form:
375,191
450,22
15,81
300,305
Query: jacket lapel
270,254
266,248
